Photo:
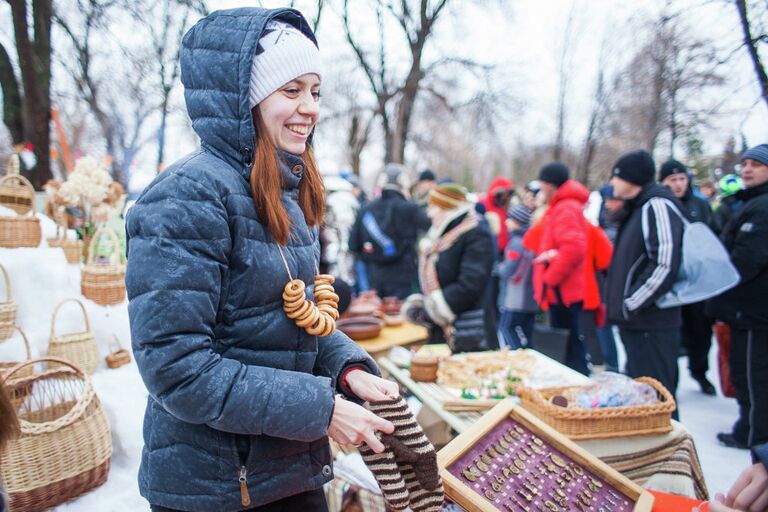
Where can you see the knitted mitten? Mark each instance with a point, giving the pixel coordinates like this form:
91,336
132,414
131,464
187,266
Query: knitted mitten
384,468
415,456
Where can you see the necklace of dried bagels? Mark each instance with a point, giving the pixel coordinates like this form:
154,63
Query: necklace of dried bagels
317,317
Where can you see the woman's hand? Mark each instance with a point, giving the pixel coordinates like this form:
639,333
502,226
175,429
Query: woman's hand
371,388
750,491
353,424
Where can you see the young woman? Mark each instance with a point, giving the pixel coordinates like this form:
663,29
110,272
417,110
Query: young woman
242,400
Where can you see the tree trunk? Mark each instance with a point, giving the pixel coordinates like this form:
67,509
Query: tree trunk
762,78
161,132
12,103
35,64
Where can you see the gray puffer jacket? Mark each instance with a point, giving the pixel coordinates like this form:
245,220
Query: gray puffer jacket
237,391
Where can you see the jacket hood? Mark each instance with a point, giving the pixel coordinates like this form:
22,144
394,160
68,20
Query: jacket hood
216,57
500,182
571,189
650,191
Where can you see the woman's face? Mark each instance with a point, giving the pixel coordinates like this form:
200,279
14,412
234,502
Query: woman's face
291,112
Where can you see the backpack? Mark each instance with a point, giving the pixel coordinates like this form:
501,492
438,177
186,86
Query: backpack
705,266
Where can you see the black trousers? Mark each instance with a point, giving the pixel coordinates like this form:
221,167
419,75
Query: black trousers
653,353
570,318
697,338
313,501
749,374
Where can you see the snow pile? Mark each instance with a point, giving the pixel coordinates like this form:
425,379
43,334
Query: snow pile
40,279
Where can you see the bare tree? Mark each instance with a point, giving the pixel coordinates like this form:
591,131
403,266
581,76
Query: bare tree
416,23
27,114
751,42
564,73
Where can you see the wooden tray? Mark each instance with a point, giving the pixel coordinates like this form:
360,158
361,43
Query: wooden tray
463,451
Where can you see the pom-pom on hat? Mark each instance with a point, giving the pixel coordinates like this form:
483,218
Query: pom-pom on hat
282,54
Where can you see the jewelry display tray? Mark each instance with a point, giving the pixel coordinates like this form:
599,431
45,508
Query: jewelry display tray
513,492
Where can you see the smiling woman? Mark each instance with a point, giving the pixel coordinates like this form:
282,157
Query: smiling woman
244,390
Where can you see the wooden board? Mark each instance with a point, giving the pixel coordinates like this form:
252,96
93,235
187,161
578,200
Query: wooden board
467,497
401,335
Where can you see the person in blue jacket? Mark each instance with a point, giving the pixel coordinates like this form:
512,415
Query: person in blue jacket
241,401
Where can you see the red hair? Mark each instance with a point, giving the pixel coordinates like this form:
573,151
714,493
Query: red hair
266,186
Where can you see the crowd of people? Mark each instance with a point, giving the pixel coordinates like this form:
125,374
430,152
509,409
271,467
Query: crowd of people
479,273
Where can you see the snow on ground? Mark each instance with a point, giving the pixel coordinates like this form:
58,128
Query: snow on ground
41,278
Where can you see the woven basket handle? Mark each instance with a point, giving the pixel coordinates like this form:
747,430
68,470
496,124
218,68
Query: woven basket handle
24,182
13,166
103,231
8,292
26,347
56,312
73,414
60,218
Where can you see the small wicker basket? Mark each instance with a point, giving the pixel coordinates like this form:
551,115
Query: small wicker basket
104,283
14,192
80,347
119,356
7,308
7,366
580,424
65,446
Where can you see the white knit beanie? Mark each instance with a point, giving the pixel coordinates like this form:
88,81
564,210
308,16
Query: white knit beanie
283,53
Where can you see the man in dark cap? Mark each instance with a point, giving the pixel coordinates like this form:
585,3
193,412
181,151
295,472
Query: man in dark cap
646,259
697,327
745,307
426,182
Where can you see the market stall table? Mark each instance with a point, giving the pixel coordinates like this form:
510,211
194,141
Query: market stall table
394,336
667,462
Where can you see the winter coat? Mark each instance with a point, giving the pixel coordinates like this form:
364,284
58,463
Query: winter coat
760,454
697,209
400,220
599,253
563,228
515,272
237,392
746,239
497,214
728,208
645,262
462,270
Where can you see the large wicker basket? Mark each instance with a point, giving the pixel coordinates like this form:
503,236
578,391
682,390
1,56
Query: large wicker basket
7,366
65,445
7,308
104,283
14,192
580,423
80,347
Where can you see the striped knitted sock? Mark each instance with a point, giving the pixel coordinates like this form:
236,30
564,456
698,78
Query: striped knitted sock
415,455
384,468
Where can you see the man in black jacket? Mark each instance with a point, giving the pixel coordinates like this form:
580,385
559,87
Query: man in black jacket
745,307
646,259
384,235
697,327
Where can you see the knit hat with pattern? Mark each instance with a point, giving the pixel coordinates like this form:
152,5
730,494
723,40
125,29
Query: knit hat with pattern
283,53
447,196
759,153
520,214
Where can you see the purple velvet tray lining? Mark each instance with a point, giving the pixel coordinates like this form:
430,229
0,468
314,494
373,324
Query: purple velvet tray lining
544,483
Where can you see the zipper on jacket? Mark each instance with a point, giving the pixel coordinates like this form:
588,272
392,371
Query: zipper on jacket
247,153
245,498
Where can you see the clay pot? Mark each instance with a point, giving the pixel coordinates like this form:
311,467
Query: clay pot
391,306
361,309
360,328
424,368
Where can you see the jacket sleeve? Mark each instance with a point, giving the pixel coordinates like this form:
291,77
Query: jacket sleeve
760,454
749,252
336,353
179,243
513,255
355,243
603,249
663,234
474,270
570,237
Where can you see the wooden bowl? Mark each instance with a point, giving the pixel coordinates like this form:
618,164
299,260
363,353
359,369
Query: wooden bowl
360,328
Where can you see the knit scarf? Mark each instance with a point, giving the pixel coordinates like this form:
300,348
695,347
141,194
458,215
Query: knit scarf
430,255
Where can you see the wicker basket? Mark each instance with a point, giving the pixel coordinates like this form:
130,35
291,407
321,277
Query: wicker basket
7,309
79,348
16,192
7,366
73,249
119,357
65,445
104,283
579,423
